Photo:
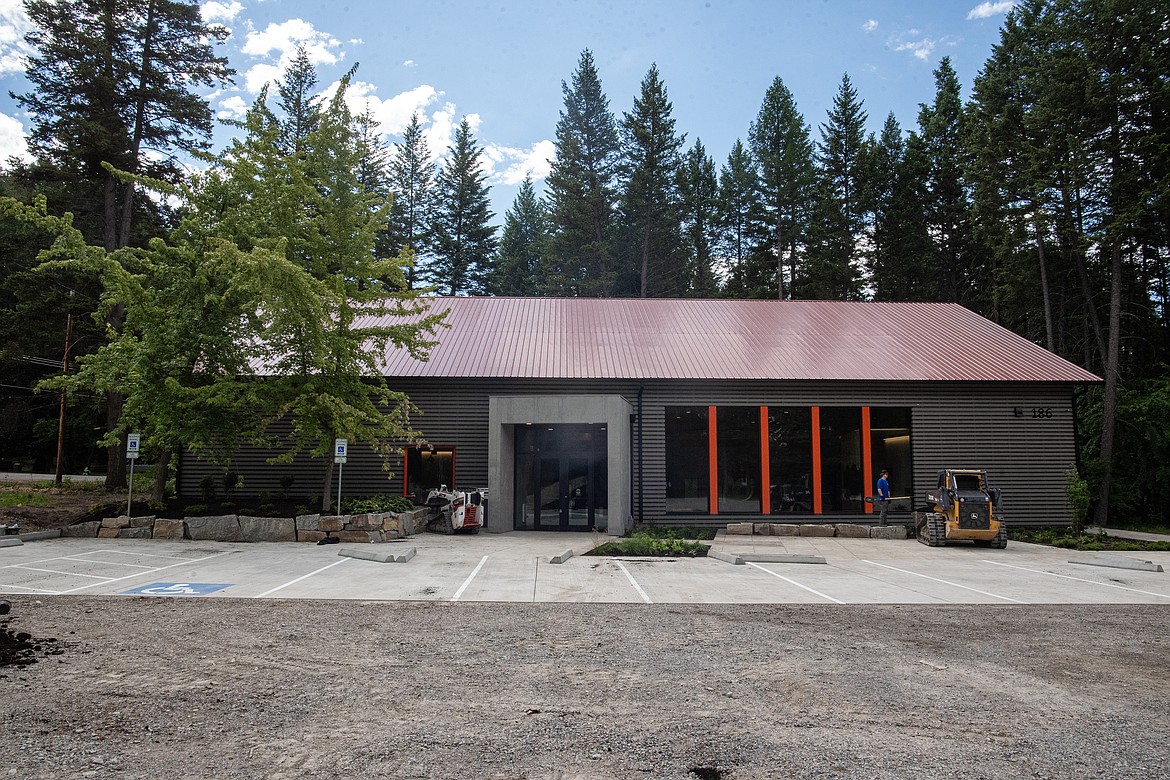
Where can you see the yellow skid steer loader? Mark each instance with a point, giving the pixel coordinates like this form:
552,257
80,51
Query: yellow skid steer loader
963,509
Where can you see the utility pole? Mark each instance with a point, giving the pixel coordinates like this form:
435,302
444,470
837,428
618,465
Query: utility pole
61,418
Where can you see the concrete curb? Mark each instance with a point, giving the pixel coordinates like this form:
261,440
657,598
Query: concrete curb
732,558
378,556
779,558
562,557
1119,562
11,541
36,536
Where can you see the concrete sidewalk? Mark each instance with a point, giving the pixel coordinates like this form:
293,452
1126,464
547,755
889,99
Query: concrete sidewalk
1121,533
20,476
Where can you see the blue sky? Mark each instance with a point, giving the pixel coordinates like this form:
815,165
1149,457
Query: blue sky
501,63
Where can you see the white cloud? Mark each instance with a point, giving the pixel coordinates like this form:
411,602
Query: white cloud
234,107
14,25
409,64
442,130
216,11
921,48
518,163
283,40
989,9
870,25
392,115
12,140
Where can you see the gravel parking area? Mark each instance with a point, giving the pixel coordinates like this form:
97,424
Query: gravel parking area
230,688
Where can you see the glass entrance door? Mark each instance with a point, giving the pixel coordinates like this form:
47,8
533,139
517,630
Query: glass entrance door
561,478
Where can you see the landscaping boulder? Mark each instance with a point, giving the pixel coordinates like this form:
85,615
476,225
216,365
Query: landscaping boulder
308,522
310,536
783,529
121,521
887,532
146,521
214,528
87,530
852,531
359,537
364,522
817,530
136,532
268,529
108,533
741,529
168,529
331,523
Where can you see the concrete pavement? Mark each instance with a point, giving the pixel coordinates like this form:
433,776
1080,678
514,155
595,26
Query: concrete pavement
517,567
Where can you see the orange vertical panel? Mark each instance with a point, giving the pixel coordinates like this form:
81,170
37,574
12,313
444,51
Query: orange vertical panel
866,458
712,462
765,465
816,453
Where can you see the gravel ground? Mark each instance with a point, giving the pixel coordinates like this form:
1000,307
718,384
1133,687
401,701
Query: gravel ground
173,688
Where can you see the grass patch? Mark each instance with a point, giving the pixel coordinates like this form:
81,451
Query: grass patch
643,545
23,498
1068,539
674,532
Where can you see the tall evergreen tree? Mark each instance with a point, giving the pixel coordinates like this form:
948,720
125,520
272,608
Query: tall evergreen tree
751,267
524,248
833,269
699,193
895,195
465,239
948,206
412,177
654,259
780,141
112,79
582,188
301,107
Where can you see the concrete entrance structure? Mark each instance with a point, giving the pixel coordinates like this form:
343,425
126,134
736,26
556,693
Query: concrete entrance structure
506,412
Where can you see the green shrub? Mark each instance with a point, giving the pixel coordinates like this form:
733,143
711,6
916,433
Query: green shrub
674,532
194,510
1077,491
357,506
645,545
207,485
286,483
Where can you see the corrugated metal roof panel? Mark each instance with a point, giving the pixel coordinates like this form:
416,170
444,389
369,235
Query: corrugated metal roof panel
624,338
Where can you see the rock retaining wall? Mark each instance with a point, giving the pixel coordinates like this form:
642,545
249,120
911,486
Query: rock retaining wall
840,530
363,528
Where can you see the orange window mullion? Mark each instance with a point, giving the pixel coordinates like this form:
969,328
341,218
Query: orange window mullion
405,470
816,464
866,458
712,462
765,465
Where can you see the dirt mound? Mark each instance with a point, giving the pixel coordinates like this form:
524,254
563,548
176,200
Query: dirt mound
20,648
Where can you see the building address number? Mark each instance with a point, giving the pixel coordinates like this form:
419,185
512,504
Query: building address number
1038,412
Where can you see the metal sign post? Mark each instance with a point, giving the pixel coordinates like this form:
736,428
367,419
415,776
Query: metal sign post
132,441
340,447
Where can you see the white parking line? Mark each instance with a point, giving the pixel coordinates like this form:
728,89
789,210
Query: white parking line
467,582
298,579
32,590
144,573
1079,579
794,582
946,582
67,573
634,582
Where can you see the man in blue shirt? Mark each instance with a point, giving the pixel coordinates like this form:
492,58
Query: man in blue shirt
883,495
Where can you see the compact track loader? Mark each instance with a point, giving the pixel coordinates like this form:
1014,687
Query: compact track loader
458,510
964,509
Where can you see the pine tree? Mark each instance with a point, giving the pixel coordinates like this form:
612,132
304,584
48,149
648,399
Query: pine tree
895,195
582,188
699,193
524,249
654,263
464,236
779,140
412,176
833,269
302,109
743,224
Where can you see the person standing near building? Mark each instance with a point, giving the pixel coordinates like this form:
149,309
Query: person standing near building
883,495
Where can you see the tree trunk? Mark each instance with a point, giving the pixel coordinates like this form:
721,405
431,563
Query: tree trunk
159,493
1112,361
1049,331
327,488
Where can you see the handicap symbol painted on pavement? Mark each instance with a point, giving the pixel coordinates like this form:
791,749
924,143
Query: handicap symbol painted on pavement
176,589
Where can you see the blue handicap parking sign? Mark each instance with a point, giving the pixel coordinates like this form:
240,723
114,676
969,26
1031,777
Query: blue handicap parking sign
176,589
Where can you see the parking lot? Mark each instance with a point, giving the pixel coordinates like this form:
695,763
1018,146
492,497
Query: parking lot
516,567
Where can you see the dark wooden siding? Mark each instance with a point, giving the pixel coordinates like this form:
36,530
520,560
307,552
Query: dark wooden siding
961,425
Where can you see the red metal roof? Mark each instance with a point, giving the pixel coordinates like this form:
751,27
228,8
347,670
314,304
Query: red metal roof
632,338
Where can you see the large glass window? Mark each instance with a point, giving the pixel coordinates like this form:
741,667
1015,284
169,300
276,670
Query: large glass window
889,435
842,483
428,468
687,459
562,478
790,460
738,435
